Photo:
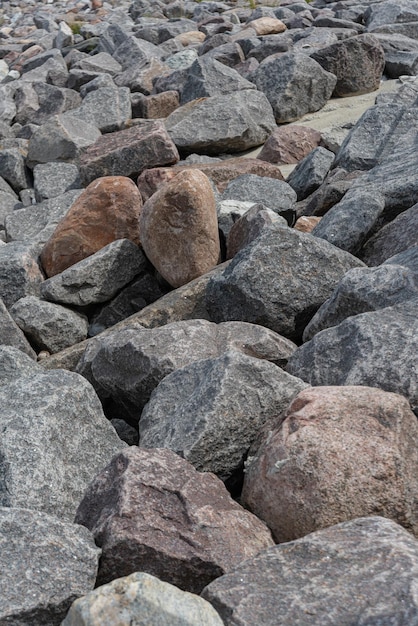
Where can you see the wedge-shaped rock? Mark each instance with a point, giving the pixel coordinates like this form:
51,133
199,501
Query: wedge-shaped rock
226,123
10,333
108,108
179,228
207,77
19,272
377,349
98,277
141,597
151,511
340,453
211,411
325,579
45,565
278,281
15,364
127,365
55,438
106,211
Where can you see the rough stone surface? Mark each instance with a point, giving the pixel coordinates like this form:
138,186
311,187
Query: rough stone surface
15,364
310,173
325,578
106,211
357,352
97,278
141,597
179,228
207,77
55,438
54,178
178,524
10,333
19,272
45,565
395,237
250,226
289,144
108,108
340,453
278,281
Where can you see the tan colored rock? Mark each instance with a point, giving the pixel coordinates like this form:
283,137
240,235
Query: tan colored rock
267,26
156,106
191,37
221,173
179,228
107,210
289,144
340,453
306,223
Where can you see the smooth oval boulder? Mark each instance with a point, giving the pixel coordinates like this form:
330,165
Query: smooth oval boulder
340,453
107,210
179,228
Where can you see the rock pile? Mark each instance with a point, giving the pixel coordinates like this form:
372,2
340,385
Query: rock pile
208,313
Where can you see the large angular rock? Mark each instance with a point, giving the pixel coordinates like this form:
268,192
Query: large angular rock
361,290
97,278
15,364
340,453
226,123
13,168
395,237
177,524
208,77
54,178
278,281
128,152
10,333
55,438
310,173
179,228
294,84
325,579
19,272
49,326
108,108
45,565
211,411
390,12
249,226
357,62
289,144
357,352
106,211
127,365
37,101
143,597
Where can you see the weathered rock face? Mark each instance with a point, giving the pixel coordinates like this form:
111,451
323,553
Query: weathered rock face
177,524
395,237
278,281
107,210
55,438
340,453
141,597
250,226
179,228
356,352
19,272
289,144
45,565
11,334
207,77
210,412
325,578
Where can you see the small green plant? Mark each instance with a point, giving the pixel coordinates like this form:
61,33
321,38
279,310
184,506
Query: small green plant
76,27
252,4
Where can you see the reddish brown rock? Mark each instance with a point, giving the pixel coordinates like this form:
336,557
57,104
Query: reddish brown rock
289,144
220,173
306,224
107,210
340,453
156,106
179,228
151,511
128,152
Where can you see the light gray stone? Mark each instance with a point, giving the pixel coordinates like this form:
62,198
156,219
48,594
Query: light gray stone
54,178
208,77
11,334
13,168
107,108
19,272
102,63
15,364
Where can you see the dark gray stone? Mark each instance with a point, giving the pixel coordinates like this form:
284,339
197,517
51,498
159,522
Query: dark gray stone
390,12
107,108
229,54
98,277
324,578
140,77
125,366
395,237
269,45
349,223
358,352
13,168
55,439
8,203
227,123
54,178
294,84
361,290
332,190
310,173
10,333
278,281
407,258
250,225
210,411
46,565
125,431
49,326
37,101
101,63
19,272
99,82
208,77
133,51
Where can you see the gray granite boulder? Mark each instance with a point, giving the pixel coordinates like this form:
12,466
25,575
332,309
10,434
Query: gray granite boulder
13,167
208,77
11,334
325,578
211,411
358,352
98,277
15,364
393,238
54,178
278,281
361,290
227,123
20,274
310,173
45,565
107,108
55,438
249,226
144,597
49,326
294,84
